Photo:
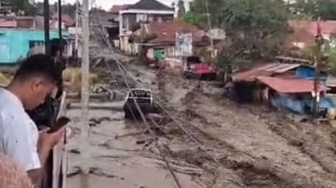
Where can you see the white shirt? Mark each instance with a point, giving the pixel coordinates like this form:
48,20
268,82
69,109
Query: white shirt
18,132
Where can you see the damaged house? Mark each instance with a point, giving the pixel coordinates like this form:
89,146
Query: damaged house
288,87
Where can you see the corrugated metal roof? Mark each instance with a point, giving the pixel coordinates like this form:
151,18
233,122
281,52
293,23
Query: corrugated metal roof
265,70
292,85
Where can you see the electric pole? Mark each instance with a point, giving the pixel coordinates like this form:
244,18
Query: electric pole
60,26
318,59
85,96
46,14
77,25
209,24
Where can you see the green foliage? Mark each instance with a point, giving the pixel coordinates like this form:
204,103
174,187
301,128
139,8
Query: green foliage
192,17
198,14
314,9
22,6
327,49
253,27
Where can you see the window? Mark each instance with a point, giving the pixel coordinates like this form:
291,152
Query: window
141,17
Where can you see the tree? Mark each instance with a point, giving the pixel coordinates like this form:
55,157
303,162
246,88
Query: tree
173,5
181,9
253,27
21,6
314,9
328,51
192,16
198,15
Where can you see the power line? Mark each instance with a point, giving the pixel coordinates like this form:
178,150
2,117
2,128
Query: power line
158,145
209,22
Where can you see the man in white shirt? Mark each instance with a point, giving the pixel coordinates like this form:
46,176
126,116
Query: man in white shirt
19,136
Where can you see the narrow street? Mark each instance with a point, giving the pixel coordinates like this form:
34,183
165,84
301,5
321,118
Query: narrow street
221,144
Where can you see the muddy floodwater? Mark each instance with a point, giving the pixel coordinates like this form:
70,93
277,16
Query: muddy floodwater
116,159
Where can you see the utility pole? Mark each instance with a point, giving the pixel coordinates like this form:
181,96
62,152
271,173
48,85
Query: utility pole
60,25
209,23
85,96
77,25
46,26
318,59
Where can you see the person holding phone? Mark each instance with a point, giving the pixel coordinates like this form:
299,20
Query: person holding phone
35,79
42,114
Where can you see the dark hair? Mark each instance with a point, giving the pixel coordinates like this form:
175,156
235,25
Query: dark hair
57,45
39,64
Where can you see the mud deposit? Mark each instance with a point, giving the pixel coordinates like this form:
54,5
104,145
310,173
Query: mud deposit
116,160
220,145
262,147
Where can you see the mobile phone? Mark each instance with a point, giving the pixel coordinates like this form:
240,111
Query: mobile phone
61,122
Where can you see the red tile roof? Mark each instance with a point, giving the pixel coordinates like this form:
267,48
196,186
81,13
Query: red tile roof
264,70
118,8
290,85
166,31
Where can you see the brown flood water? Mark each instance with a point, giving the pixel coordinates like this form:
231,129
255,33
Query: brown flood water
118,163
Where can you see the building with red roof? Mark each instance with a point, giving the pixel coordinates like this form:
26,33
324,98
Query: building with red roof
144,11
162,36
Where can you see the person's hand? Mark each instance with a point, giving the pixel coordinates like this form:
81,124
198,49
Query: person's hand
48,141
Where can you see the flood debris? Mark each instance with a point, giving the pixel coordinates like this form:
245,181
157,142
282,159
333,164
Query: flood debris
74,151
130,134
143,141
98,106
254,147
286,87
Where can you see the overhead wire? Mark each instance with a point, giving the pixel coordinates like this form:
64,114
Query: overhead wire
201,146
144,119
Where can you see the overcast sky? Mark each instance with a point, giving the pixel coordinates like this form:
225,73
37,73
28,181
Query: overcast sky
107,4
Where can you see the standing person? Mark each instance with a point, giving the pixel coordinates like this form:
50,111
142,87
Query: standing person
11,175
43,114
35,79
